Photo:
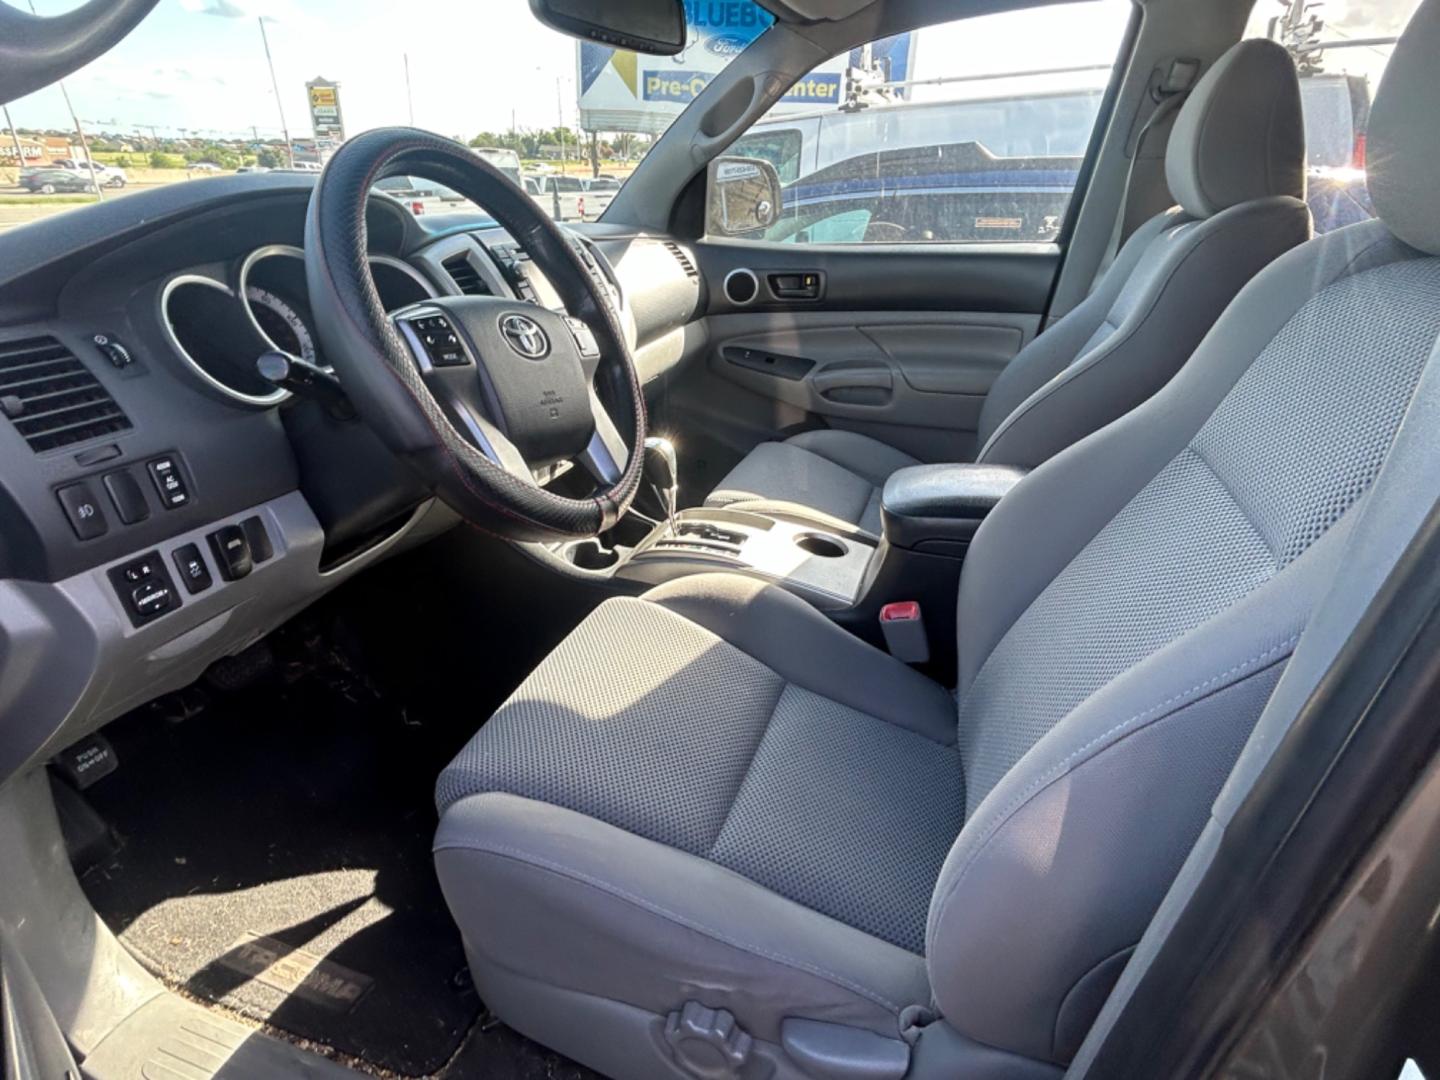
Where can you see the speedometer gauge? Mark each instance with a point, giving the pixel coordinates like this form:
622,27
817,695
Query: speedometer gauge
281,323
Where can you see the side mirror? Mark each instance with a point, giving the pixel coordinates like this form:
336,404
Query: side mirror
656,27
744,196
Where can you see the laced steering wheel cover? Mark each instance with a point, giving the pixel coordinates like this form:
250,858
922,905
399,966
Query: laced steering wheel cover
380,374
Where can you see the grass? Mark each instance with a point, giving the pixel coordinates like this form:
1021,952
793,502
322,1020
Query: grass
44,200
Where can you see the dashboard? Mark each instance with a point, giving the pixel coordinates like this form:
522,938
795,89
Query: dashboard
161,504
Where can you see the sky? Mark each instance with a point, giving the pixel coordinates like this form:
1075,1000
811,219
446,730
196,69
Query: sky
479,65
200,65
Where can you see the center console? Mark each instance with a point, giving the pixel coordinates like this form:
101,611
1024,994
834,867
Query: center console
828,570
929,513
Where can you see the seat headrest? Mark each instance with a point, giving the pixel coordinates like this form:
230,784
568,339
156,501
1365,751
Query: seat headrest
1402,146
1241,134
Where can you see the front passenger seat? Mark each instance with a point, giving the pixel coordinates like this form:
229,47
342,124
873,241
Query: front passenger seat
1236,165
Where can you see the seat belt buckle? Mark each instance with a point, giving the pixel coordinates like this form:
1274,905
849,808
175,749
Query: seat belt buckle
904,628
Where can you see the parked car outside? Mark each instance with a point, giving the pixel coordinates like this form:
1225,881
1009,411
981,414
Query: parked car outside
111,176
51,181
565,198
961,193
423,196
507,161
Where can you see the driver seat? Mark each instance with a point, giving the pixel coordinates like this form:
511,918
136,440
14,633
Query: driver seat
714,835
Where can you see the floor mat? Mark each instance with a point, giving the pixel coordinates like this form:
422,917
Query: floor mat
275,858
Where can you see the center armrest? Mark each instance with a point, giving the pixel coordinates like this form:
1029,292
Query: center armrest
937,508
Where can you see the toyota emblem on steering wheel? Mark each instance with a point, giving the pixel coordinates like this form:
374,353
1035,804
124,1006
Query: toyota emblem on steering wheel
525,336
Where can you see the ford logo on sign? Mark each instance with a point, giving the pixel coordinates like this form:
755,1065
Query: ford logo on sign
726,45
525,336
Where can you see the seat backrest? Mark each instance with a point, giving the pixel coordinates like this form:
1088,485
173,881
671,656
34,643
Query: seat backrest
1236,165
1127,610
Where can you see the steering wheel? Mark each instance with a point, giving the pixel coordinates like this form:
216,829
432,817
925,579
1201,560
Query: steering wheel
479,392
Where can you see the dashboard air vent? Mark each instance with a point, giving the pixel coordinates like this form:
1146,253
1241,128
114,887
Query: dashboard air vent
462,271
51,398
682,258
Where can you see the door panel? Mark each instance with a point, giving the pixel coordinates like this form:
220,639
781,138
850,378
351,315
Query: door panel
901,345
921,374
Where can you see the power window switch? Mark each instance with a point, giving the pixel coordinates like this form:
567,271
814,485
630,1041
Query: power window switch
83,511
193,572
232,552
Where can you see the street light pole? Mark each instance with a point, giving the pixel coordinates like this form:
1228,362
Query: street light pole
19,153
409,98
275,84
560,116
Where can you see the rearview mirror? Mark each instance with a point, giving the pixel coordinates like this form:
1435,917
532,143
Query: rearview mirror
647,26
744,196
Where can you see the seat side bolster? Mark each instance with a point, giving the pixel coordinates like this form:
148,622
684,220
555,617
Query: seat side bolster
1055,349
1166,313
1024,915
804,647
1038,859
568,900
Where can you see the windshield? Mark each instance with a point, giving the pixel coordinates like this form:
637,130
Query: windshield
206,88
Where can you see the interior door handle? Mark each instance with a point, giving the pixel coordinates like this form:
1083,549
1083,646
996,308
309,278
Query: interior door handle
853,378
797,285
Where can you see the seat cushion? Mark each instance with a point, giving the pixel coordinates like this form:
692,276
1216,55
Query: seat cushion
838,473
653,723
694,758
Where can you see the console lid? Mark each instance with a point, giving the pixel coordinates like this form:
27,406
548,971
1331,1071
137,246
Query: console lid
936,509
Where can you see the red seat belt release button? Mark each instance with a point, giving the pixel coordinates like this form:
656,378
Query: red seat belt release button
904,629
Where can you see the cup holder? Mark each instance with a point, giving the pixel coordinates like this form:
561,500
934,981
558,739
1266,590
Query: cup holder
589,555
825,547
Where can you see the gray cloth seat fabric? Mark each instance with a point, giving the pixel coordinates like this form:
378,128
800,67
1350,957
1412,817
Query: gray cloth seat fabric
1235,164
837,474
712,798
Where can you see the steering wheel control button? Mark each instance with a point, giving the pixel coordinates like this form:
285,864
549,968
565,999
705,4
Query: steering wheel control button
125,493
442,345
144,588
193,572
232,552
83,511
260,546
584,337
169,482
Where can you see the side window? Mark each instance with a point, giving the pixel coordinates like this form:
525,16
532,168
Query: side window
972,131
1340,48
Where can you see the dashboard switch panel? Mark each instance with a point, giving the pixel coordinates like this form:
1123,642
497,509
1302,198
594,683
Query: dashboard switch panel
118,355
232,552
145,589
83,511
169,482
260,546
192,569
125,493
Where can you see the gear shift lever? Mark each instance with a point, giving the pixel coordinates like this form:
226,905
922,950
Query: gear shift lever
662,474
